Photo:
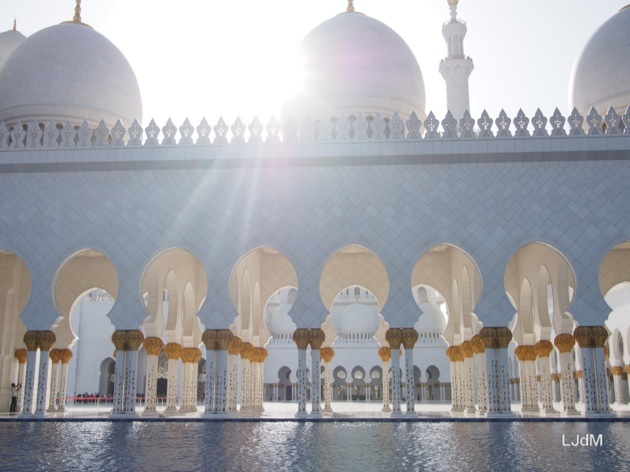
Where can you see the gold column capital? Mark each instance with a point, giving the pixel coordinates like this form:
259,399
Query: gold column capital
393,336
543,348
46,339
246,351
584,336
409,337
489,338
134,339
173,350
316,337
31,339
525,353
119,338
21,355
600,335
454,354
209,338
301,338
478,344
327,353
55,355
616,370
235,346
504,336
153,345
578,374
66,355
467,349
385,353
223,339
564,342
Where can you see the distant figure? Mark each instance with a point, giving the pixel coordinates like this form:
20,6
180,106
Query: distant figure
15,388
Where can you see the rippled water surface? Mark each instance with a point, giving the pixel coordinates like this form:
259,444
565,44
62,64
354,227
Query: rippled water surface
365,446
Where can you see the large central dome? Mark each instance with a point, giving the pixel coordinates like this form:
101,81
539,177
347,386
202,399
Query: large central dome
68,72
601,74
355,64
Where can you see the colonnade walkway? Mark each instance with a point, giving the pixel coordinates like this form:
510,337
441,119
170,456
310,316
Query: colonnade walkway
280,411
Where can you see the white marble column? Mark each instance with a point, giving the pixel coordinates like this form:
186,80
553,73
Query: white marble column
234,350
467,377
46,340
543,350
600,336
119,338
617,371
565,343
482,376
221,390
589,388
21,355
134,341
326,354
316,339
55,357
409,338
385,353
456,358
505,401
173,353
529,390
301,339
394,338
66,355
153,346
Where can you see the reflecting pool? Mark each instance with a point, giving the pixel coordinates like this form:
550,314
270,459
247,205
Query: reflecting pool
305,446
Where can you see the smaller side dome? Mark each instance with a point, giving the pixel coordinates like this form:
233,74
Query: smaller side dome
281,322
601,74
358,319
69,72
432,319
9,40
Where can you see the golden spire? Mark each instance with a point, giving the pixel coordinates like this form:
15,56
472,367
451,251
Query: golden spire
77,12
350,8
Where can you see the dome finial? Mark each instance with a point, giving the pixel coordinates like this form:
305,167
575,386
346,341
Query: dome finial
453,4
350,8
14,24
77,12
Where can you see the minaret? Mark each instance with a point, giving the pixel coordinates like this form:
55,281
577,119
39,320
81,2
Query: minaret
456,67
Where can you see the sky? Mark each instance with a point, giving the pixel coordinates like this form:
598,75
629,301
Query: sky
201,58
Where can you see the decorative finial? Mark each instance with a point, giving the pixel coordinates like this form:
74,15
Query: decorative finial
350,8
453,5
77,12
14,24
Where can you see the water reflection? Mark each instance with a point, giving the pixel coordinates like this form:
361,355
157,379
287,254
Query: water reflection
292,446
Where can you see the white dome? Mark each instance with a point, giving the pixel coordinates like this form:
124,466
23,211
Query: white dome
601,74
356,64
357,318
280,322
432,319
69,72
9,40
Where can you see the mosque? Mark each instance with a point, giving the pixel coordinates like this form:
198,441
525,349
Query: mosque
358,248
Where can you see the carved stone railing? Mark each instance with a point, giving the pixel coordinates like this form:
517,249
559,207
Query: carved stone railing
34,135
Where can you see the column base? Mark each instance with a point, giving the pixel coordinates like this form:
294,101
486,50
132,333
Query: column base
327,409
170,411
397,414
386,409
470,411
548,412
301,414
598,414
151,412
52,410
498,414
571,412
411,413
481,412
316,414
188,409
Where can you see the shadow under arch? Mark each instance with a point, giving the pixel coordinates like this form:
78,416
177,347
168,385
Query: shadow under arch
453,274
256,277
